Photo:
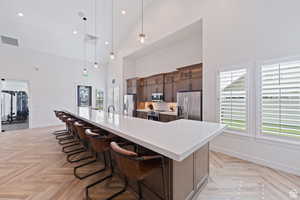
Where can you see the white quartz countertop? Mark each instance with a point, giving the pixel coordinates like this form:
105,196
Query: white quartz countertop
176,140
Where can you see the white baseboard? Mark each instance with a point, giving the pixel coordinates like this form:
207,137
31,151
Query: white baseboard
250,158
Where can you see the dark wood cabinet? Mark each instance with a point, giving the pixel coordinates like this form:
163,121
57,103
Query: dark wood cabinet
140,90
149,85
147,89
156,83
170,87
190,78
167,118
142,115
196,78
187,78
132,86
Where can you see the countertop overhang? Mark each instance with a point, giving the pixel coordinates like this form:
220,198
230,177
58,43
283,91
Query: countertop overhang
176,140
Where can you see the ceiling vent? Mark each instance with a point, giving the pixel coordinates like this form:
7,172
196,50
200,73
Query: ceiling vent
9,41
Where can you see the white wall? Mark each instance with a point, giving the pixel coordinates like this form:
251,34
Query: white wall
51,87
234,32
178,54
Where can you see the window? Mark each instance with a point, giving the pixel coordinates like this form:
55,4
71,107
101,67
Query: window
280,99
233,102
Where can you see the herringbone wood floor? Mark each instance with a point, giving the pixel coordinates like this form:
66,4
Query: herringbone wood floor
32,167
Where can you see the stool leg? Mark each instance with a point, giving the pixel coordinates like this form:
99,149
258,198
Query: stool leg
67,140
105,178
120,192
125,185
57,136
80,150
59,132
64,149
88,163
101,180
140,190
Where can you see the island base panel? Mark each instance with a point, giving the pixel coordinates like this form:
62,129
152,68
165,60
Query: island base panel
189,176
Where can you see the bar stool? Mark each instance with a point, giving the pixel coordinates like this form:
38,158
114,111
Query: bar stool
68,140
68,135
137,167
81,128
76,138
58,114
101,144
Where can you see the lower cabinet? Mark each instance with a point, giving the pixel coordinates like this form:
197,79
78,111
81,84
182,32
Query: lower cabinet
142,115
167,118
162,117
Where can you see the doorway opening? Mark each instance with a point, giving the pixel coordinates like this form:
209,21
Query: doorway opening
14,105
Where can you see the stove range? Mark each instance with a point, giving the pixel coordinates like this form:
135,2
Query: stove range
153,115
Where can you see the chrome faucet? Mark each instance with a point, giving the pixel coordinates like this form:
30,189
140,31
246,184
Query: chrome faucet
111,107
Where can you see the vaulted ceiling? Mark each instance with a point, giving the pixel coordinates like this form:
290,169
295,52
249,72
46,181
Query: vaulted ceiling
48,26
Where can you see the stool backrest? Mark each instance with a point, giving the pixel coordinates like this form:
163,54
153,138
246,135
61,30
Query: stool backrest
127,161
80,129
99,142
70,124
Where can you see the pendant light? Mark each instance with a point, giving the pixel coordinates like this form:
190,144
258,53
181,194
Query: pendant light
96,65
112,54
142,35
85,71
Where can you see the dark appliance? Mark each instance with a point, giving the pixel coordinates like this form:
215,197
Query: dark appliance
157,97
152,115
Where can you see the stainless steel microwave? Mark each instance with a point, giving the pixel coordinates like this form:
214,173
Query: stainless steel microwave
157,97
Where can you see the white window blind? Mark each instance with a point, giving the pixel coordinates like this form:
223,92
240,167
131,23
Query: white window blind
233,108
280,97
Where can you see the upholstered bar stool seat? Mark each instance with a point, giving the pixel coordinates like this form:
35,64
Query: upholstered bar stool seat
137,167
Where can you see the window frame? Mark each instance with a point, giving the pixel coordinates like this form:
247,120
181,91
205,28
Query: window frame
258,110
247,91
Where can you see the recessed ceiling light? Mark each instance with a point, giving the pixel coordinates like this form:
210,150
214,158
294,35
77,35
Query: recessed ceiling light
20,14
123,12
75,32
106,43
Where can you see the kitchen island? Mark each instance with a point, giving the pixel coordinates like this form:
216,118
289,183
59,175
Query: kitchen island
183,143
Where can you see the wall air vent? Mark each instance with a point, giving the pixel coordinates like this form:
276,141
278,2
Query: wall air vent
9,41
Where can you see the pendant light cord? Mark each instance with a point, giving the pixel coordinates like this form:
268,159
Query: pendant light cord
84,42
112,26
95,31
142,16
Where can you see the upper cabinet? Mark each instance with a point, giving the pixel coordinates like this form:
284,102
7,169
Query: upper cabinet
187,78
140,90
132,86
170,91
156,83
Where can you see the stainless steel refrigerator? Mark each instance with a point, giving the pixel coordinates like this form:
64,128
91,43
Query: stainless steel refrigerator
189,105
129,108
